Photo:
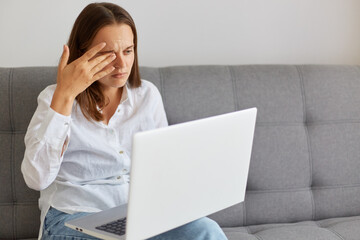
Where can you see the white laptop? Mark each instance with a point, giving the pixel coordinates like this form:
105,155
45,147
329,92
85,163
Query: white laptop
179,174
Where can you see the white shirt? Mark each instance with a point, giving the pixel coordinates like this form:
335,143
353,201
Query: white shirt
93,173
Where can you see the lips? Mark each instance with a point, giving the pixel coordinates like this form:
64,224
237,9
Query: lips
118,75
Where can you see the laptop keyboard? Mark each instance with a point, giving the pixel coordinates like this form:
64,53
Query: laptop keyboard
116,227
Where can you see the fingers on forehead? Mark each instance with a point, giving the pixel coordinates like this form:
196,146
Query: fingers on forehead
94,50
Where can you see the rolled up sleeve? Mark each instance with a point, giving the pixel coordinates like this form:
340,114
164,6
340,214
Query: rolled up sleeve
47,135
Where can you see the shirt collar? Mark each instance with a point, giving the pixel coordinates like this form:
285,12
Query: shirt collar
126,95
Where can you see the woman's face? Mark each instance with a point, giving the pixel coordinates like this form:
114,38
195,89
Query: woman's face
119,39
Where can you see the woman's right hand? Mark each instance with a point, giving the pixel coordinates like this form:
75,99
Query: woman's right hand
74,78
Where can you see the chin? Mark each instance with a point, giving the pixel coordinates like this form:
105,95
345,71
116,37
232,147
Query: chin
116,82
119,83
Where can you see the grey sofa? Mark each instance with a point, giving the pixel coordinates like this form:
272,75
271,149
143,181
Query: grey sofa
304,180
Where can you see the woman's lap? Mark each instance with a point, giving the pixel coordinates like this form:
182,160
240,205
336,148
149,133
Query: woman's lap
201,229
54,226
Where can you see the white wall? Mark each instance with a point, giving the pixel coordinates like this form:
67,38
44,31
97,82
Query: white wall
32,32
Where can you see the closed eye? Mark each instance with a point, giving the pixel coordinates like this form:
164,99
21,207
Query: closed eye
104,52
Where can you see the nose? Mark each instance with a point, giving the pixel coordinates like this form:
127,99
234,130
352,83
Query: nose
119,61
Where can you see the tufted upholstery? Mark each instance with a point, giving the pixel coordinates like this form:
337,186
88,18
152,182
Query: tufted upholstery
304,180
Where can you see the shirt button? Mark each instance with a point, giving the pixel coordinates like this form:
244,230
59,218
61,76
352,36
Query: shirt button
121,152
118,110
119,177
124,170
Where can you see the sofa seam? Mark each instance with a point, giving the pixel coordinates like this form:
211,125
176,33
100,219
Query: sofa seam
344,221
248,230
12,132
19,204
330,122
12,165
244,213
237,107
302,87
280,190
335,233
316,225
12,142
257,236
11,113
330,230
311,163
234,87
336,186
162,85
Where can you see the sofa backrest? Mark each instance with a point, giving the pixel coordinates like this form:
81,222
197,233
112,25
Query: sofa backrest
306,156
19,88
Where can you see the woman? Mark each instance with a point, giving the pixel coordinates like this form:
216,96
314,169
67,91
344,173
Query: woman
78,143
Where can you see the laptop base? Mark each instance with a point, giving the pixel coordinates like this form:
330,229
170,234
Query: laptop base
88,224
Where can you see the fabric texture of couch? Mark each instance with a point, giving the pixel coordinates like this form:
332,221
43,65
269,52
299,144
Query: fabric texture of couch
304,180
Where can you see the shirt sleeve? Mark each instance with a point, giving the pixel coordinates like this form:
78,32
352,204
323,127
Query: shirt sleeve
48,133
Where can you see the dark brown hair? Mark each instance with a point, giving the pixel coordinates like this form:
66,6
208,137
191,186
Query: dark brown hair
92,18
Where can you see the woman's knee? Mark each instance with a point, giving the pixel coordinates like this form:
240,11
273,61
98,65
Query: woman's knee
208,228
205,223
201,229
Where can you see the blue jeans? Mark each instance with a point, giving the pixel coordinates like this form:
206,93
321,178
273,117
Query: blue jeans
202,229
